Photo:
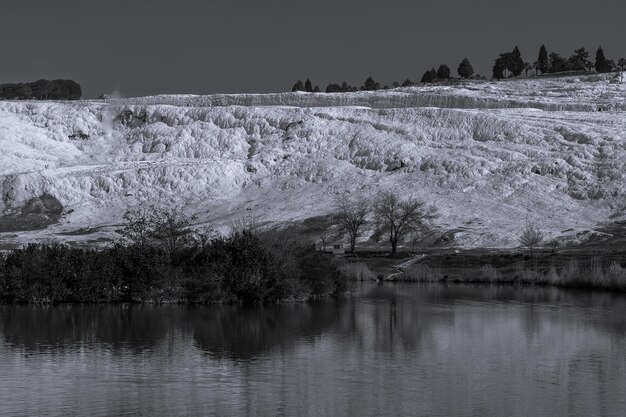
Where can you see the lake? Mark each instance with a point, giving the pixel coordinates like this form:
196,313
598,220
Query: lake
389,349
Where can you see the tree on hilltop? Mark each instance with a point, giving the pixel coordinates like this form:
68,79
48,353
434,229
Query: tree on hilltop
308,87
429,76
333,88
557,63
542,60
516,63
499,67
602,64
298,86
579,61
465,69
443,72
370,85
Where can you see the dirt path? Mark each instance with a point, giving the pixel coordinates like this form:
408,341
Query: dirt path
400,268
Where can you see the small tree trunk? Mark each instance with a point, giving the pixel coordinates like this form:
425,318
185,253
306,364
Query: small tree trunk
394,245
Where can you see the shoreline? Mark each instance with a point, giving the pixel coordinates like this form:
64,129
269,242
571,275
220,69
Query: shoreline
583,268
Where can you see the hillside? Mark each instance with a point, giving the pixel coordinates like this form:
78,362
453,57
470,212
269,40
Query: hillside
492,156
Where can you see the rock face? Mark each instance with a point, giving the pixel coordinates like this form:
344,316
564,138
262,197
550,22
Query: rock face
38,213
492,156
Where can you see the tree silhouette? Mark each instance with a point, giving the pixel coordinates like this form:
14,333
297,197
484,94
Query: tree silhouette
400,217
498,68
465,69
429,76
42,90
298,86
602,64
557,63
542,60
516,63
370,85
579,61
350,216
443,72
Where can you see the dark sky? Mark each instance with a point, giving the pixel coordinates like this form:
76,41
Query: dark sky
142,47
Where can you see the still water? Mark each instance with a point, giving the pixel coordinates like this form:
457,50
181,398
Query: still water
414,350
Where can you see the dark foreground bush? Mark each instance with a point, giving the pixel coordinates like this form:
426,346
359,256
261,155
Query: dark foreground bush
238,269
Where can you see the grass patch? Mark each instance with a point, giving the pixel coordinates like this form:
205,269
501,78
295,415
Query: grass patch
420,273
357,271
593,273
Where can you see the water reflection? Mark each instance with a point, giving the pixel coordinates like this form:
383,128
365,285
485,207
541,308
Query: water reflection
57,328
241,333
389,350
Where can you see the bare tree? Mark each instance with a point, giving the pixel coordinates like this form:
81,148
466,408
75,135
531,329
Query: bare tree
168,228
350,216
531,237
323,237
250,224
137,228
399,217
171,228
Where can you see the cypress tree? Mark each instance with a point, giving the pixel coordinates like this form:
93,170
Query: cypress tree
542,60
602,64
308,87
498,68
517,63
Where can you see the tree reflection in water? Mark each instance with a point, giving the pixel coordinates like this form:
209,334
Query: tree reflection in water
388,349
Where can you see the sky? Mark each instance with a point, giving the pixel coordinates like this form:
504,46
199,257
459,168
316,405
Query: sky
146,47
